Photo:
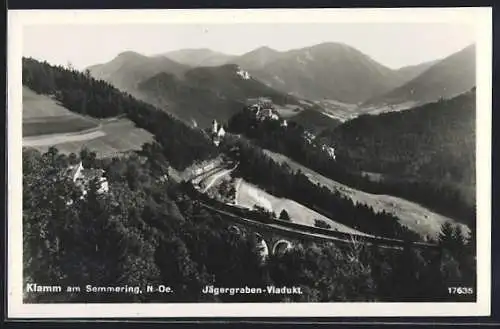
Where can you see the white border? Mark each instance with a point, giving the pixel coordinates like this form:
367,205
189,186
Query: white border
481,18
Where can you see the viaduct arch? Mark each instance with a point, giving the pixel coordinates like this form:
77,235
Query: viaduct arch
281,246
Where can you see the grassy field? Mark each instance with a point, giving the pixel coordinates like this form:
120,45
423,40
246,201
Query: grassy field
46,123
338,110
412,215
111,139
56,125
343,111
248,195
43,115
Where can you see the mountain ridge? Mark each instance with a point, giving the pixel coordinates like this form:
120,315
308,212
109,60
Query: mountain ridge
330,70
446,78
127,69
198,57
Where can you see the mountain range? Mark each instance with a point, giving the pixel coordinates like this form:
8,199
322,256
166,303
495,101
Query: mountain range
329,70
202,84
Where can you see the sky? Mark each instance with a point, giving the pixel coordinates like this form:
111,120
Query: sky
392,44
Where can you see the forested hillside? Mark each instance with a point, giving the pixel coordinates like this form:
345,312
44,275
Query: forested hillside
315,121
435,142
83,94
279,180
291,141
147,231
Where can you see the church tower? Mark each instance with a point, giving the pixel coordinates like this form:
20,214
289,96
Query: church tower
214,127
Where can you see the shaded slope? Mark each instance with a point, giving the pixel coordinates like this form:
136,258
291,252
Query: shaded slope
432,142
447,78
207,93
328,70
256,59
129,68
315,121
408,73
186,102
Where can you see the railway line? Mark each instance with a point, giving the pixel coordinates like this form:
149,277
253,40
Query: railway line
237,215
263,222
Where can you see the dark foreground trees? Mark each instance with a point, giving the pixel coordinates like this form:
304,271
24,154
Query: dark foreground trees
149,232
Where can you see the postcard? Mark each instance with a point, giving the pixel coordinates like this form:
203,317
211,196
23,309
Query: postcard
249,163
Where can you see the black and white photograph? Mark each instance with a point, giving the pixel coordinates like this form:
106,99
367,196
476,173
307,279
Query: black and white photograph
249,162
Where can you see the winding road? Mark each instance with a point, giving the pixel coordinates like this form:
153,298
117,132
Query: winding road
218,176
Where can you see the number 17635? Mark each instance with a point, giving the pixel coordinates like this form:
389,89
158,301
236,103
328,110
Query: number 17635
460,290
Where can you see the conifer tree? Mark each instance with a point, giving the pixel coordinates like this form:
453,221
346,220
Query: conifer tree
284,215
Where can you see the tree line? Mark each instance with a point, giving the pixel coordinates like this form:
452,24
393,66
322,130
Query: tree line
81,93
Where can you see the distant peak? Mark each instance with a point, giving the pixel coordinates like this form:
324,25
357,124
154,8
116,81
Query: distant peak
331,44
129,53
129,57
471,47
264,49
191,50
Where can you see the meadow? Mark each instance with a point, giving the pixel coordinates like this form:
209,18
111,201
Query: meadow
47,123
414,216
249,195
43,115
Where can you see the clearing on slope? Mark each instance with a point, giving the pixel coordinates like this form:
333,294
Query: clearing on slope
248,196
412,215
46,123
43,115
